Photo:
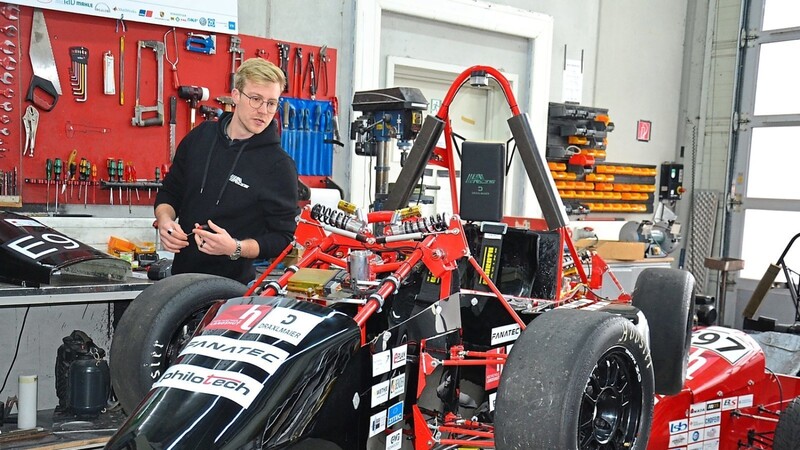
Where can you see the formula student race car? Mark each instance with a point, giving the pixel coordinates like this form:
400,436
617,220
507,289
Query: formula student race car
389,333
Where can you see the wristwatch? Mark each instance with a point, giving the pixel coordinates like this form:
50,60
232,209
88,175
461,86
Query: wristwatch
238,252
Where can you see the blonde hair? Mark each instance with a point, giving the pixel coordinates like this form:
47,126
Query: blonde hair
258,70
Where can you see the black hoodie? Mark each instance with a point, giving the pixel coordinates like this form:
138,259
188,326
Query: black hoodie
248,187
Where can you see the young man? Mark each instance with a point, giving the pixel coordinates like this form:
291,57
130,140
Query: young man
233,178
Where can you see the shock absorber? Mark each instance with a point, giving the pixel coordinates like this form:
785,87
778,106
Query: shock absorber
421,225
336,218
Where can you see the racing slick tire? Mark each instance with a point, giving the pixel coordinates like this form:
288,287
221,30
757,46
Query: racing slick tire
787,433
666,297
155,326
576,379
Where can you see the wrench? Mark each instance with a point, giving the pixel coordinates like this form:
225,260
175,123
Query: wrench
9,30
7,106
7,78
10,12
8,63
5,119
31,122
8,47
4,131
7,92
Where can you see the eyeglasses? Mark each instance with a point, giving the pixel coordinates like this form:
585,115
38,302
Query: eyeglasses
256,102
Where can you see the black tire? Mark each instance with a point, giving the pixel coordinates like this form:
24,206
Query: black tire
666,297
574,380
156,325
787,433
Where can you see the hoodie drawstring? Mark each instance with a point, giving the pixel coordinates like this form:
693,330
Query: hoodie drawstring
233,167
208,164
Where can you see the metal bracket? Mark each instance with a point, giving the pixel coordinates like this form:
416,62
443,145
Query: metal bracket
158,49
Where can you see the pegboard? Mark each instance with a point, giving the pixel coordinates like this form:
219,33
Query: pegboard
100,126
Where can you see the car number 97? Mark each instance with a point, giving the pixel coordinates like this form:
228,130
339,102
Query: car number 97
730,344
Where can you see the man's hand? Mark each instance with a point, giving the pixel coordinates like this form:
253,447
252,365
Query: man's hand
173,238
215,240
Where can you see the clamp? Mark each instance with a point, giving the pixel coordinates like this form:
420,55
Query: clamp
31,122
312,76
283,59
323,67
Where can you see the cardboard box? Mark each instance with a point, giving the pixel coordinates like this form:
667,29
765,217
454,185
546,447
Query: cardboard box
614,250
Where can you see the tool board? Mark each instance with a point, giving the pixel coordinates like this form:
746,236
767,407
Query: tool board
99,126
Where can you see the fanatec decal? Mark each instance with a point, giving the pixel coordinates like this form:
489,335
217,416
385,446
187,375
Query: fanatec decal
261,355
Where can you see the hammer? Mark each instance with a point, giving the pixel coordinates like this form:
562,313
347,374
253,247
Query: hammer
194,95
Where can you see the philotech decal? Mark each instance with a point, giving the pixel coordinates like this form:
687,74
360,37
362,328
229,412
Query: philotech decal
231,385
259,354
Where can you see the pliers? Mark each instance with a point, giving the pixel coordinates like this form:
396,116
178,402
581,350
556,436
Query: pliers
31,122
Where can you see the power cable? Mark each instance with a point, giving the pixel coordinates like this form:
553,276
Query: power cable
16,350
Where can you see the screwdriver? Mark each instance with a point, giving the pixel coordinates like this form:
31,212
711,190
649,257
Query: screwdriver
84,177
120,170
132,175
158,176
94,183
112,169
48,171
57,175
81,175
71,166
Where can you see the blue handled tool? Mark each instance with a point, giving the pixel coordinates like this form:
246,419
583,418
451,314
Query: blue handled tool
202,43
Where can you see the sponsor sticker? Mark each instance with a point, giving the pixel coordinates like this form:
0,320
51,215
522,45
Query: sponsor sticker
231,385
713,419
287,324
745,401
697,435
697,408
397,386
678,439
395,414
506,333
240,318
395,440
492,401
493,371
24,223
399,355
730,403
697,422
380,393
259,354
678,426
377,423
381,363
712,433
714,405
695,446
711,445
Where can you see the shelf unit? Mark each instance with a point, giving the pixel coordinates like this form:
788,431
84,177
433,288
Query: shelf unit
577,140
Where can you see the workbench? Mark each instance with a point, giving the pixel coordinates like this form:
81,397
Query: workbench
77,293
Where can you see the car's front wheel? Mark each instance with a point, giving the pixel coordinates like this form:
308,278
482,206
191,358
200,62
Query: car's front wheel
787,433
155,326
578,380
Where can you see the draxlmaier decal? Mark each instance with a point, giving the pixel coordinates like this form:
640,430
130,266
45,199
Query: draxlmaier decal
727,343
231,385
506,333
287,324
240,318
259,354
